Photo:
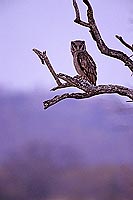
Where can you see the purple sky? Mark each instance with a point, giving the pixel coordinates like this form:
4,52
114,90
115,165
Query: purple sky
48,25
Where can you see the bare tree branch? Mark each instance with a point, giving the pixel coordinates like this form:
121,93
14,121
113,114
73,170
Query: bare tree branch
77,19
58,98
75,82
77,10
81,84
64,85
92,91
78,81
97,36
44,59
125,43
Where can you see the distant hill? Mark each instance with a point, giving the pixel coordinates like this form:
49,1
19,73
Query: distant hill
92,131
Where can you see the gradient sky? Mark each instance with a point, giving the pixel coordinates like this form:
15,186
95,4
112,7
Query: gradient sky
48,25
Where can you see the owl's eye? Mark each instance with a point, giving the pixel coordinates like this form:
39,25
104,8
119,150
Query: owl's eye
81,47
74,46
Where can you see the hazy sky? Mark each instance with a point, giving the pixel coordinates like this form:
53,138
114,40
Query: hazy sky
48,25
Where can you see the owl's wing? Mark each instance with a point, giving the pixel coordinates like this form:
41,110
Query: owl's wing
88,67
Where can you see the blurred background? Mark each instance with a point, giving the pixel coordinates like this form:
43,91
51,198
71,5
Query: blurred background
77,149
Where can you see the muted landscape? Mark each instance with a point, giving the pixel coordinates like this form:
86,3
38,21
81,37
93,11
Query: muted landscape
73,150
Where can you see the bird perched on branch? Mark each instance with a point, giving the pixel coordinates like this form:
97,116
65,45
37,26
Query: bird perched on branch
83,62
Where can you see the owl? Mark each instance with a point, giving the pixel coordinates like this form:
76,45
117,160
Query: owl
83,62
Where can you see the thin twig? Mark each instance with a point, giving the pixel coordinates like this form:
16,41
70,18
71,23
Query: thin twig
44,60
125,43
64,85
77,10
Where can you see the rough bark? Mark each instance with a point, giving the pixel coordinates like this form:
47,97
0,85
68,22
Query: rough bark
91,24
76,81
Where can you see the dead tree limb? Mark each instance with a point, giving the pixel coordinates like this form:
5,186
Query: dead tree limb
124,43
77,81
63,85
91,91
91,24
44,60
58,98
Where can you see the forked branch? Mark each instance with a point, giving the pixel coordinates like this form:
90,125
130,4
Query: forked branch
77,81
44,60
91,24
96,90
88,90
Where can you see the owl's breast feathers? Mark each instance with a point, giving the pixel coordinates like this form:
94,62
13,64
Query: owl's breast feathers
87,67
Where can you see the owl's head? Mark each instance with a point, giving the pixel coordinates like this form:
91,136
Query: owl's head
77,46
